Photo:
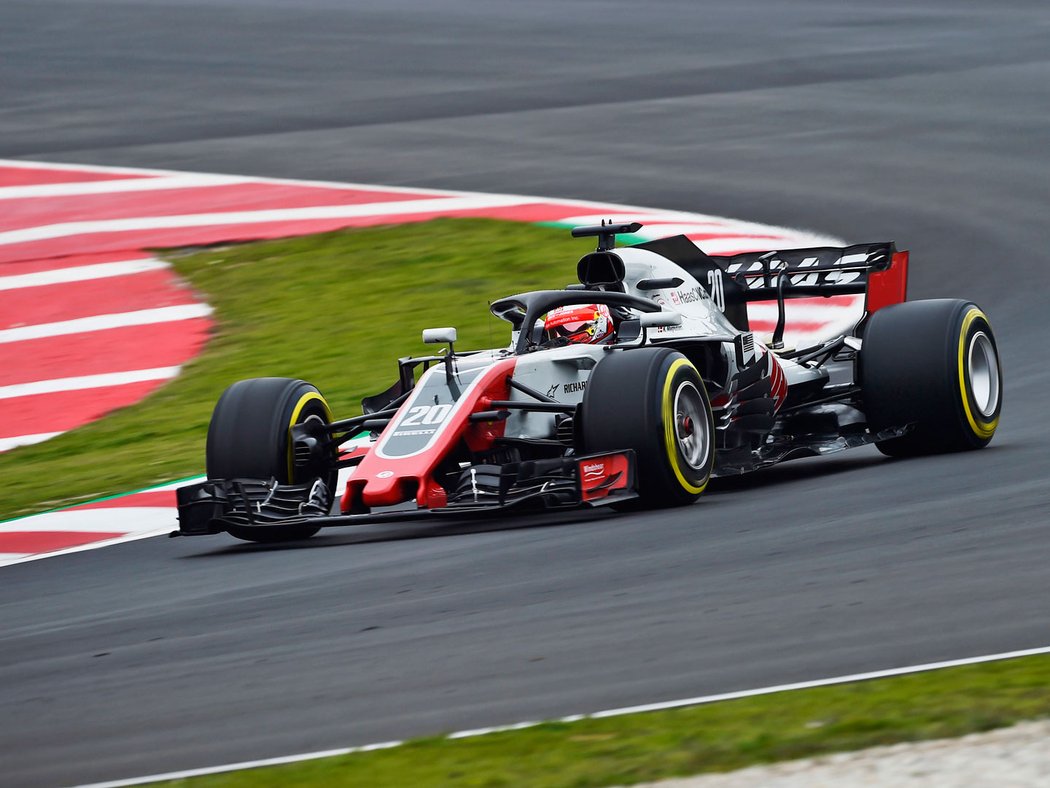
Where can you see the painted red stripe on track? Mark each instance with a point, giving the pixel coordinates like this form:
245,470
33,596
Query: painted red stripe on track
39,211
526,212
65,410
831,302
729,233
158,498
190,236
23,176
71,261
73,300
47,541
793,326
98,352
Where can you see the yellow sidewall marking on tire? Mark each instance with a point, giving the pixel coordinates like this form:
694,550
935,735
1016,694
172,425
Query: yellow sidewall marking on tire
310,396
670,441
982,429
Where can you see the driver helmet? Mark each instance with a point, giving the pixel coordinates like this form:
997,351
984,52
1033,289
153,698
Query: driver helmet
586,323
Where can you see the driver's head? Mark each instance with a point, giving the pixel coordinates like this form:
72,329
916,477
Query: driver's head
588,323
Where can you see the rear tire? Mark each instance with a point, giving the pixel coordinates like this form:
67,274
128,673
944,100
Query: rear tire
652,400
249,437
933,364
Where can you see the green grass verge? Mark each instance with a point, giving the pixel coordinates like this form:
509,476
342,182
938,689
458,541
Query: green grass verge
335,309
716,737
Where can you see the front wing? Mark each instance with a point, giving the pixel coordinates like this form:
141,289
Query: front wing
215,505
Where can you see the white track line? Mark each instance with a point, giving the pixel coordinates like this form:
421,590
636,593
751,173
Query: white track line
114,520
149,520
81,273
167,486
392,209
87,382
588,211
77,188
142,317
6,444
23,164
671,704
280,761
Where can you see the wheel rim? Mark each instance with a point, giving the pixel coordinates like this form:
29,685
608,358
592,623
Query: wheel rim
983,373
690,426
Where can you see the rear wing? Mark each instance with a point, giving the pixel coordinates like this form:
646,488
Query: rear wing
877,270
818,271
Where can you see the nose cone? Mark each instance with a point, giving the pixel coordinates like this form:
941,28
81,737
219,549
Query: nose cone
387,489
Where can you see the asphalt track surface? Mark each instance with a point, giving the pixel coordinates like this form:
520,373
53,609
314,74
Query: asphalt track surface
926,122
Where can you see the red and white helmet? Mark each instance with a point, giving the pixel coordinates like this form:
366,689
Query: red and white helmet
587,323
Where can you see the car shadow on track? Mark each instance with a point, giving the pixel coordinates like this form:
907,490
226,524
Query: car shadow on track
865,460
794,471
416,529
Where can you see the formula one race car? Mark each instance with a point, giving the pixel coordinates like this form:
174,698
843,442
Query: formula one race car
631,388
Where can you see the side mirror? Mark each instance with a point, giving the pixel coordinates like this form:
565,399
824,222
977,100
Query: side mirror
662,319
439,336
629,331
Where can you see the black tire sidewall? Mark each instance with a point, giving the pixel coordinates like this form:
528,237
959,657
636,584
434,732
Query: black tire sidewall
248,434
915,369
629,405
248,438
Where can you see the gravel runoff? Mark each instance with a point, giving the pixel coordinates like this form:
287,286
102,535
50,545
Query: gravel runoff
1005,758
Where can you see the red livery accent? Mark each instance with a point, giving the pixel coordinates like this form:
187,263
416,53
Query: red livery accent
777,381
386,481
432,495
603,475
354,453
889,286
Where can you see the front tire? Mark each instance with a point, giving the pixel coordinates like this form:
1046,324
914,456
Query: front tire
652,400
249,437
933,364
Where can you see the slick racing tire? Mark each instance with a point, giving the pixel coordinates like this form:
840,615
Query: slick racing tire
652,400
935,365
249,437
